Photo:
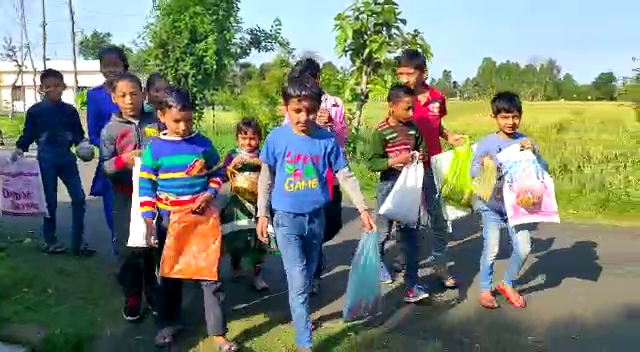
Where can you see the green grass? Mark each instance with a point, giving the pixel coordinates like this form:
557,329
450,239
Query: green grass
70,300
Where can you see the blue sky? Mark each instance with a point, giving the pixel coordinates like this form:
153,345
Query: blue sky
585,36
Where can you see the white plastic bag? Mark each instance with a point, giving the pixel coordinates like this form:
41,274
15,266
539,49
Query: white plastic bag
22,191
403,203
137,226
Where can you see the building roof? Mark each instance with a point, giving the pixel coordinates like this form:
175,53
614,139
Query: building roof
60,65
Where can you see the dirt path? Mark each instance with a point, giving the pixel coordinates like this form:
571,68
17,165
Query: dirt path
582,284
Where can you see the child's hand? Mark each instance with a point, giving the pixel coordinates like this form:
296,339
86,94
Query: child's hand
262,228
130,157
203,203
150,235
367,221
456,139
237,161
17,154
323,118
423,156
400,161
526,145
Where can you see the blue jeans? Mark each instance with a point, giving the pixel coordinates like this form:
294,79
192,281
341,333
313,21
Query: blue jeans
66,169
492,222
408,237
435,218
299,238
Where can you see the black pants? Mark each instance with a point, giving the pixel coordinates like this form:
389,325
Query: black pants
137,273
170,295
333,215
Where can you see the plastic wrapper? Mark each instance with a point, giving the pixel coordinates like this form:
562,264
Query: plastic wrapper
485,183
137,226
193,246
457,187
364,294
403,202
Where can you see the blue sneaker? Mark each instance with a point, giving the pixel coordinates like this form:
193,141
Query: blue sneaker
385,277
416,294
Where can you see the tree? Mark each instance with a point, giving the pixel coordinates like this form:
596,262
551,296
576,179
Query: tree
445,84
196,44
11,53
90,45
604,86
568,87
367,33
333,79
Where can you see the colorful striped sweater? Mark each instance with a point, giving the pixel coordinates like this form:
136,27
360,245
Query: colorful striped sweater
389,141
176,171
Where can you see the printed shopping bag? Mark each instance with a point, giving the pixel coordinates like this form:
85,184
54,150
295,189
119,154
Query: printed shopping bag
403,202
137,226
193,245
528,191
22,191
364,295
457,187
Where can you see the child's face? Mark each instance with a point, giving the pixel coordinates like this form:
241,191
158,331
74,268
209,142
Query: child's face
52,88
111,66
128,97
508,122
157,92
302,112
248,141
410,76
178,123
402,110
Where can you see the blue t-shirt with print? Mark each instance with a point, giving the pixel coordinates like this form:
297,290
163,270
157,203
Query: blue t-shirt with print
301,164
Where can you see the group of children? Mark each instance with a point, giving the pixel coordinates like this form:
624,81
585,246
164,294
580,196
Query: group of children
300,166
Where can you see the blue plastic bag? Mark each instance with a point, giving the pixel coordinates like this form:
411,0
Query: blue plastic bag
364,295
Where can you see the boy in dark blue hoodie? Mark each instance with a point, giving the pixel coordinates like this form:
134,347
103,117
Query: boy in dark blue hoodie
55,127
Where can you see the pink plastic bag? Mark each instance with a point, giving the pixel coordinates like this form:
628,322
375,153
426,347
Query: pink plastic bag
22,191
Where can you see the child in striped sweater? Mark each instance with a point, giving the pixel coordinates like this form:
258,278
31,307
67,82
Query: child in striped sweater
392,145
177,171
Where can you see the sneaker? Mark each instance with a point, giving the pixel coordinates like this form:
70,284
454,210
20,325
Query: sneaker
416,294
132,310
315,286
259,284
385,277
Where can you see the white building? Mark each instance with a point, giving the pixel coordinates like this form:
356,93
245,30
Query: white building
88,76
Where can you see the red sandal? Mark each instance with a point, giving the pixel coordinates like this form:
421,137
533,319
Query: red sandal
503,291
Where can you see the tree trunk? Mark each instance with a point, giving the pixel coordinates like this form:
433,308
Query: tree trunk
73,48
23,20
22,56
44,37
12,109
363,96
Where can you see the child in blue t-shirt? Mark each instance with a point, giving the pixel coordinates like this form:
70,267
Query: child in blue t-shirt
296,159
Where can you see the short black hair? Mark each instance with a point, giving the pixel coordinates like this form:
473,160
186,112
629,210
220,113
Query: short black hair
248,124
51,73
412,58
126,76
301,87
506,102
306,66
117,51
176,98
399,91
153,79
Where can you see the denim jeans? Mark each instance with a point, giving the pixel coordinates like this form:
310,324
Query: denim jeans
66,169
492,222
299,239
435,218
408,237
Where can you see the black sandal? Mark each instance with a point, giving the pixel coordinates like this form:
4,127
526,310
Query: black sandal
84,251
165,336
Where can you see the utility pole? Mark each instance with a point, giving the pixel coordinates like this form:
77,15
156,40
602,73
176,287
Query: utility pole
73,48
23,94
44,36
34,70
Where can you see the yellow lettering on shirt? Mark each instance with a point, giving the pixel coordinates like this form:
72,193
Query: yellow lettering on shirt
293,185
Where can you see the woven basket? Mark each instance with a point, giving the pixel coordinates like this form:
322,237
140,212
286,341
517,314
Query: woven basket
244,184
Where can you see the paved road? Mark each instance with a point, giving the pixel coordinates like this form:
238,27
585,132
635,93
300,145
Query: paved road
582,284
